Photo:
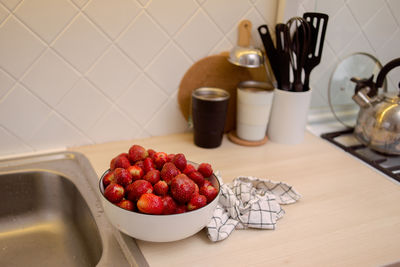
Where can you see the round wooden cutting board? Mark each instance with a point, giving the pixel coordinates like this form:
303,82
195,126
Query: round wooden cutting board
216,71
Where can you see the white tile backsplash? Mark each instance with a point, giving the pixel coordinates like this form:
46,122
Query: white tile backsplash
59,12
3,13
112,18
78,72
11,144
267,10
6,82
380,27
167,119
19,47
344,31
81,43
359,43
113,73
22,113
394,6
142,100
362,15
172,14
167,68
55,133
328,6
226,13
10,4
114,125
390,47
143,39
80,3
50,78
198,36
83,105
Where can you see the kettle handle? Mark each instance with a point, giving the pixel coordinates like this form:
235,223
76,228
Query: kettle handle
384,71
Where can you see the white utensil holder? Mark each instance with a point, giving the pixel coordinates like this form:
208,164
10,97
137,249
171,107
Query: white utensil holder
288,118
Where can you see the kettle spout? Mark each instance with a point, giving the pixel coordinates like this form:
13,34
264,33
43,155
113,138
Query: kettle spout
365,90
362,99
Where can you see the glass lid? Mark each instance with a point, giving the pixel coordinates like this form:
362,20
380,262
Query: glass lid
341,88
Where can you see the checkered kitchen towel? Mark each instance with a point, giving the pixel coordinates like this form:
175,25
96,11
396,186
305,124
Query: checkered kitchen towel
249,202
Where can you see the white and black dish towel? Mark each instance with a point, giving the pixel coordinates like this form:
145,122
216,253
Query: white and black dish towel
249,202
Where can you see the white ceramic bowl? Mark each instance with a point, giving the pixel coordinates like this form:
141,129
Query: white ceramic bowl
159,228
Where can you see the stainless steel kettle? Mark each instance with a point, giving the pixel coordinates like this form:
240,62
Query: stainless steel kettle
378,122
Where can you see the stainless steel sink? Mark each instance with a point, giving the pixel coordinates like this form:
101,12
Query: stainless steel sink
50,215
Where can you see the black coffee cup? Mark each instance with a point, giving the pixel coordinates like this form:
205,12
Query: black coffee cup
209,109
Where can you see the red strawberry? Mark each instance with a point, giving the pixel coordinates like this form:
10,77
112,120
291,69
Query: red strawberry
197,177
120,161
151,152
122,176
170,157
182,188
126,204
137,152
196,202
150,204
180,208
161,188
168,172
209,191
169,205
114,192
180,161
159,159
153,176
207,182
140,164
205,169
109,178
138,188
136,172
148,164
189,168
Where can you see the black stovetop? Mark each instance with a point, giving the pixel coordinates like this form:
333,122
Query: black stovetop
388,164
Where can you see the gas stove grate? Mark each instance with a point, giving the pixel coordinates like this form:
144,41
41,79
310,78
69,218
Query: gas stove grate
388,164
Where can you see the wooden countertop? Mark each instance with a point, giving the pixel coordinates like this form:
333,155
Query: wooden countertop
349,214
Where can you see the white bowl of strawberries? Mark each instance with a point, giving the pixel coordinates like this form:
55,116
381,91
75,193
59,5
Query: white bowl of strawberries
158,197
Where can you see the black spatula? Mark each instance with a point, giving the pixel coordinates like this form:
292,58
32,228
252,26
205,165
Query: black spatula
318,23
283,57
270,50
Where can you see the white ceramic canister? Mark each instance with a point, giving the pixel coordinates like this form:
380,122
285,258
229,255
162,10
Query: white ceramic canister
289,116
254,101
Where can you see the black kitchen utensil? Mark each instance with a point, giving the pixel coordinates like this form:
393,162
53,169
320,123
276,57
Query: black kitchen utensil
318,23
269,49
300,33
283,58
